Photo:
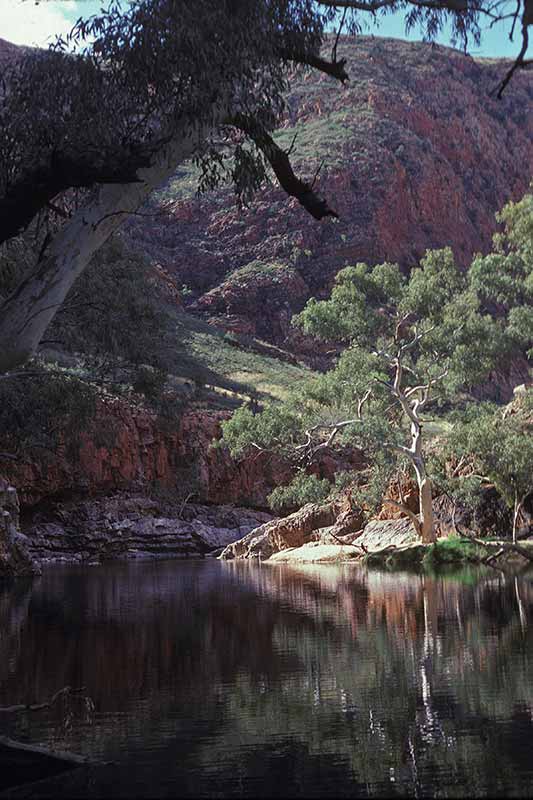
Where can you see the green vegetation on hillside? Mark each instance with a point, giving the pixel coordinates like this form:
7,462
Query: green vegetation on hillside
208,356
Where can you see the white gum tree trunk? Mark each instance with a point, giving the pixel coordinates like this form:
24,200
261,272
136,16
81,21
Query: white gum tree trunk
425,488
427,523
26,314
416,456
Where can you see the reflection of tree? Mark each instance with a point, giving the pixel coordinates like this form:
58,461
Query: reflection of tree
379,681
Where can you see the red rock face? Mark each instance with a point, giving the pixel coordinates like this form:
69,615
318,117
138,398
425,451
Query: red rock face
139,455
417,155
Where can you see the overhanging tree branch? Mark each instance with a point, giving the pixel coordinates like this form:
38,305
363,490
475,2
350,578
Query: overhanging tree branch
520,62
37,187
456,6
405,510
280,163
335,68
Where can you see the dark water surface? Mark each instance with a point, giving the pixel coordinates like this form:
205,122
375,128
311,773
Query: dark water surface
236,680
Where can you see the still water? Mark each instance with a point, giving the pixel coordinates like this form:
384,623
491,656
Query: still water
220,679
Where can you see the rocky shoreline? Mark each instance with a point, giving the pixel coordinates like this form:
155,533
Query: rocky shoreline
136,526
15,559
123,525
129,525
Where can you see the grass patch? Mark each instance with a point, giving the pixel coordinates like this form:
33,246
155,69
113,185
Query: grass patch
183,185
272,272
445,552
203,355
451,550
325,136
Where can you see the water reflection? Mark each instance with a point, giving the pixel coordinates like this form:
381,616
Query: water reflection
229,679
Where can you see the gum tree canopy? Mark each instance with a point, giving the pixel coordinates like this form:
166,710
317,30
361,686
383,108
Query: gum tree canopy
91,126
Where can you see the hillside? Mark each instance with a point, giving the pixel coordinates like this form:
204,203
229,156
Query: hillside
416,154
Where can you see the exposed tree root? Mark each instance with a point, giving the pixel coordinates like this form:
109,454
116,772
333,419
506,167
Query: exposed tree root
502,550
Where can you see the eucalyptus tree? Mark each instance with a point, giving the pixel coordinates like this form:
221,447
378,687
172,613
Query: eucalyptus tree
90,127
410,343
492,445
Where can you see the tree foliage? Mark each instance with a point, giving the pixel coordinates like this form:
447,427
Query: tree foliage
302,489
43,409
114,312
496,447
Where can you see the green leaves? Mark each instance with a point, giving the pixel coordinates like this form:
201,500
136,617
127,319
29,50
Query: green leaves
432,286
341,388
499,446
302,489
412,342
44,407
499,278
521,327
278,427
115,310
360,306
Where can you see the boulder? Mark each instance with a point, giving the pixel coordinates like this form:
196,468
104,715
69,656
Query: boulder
348,524
382,533
298,535
316,553
279,534
379,534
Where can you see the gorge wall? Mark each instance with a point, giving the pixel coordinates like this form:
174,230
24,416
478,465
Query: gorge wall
137,453
417,153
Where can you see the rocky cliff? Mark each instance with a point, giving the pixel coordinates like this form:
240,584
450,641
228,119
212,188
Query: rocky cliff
416,154
137,453
130,525
127,448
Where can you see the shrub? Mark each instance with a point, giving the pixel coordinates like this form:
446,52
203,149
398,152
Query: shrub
450,550
302,489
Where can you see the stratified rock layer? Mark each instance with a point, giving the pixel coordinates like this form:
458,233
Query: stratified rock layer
306,536
292,531
134,526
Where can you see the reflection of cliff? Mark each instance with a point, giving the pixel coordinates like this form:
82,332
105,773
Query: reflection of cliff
237,665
